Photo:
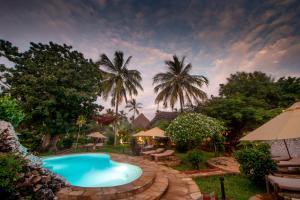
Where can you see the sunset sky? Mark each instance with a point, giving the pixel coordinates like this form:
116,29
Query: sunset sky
217,37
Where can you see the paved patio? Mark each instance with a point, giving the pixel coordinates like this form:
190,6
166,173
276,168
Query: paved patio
156,182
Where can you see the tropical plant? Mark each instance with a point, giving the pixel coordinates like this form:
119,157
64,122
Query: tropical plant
119,82
194,157
178,83
81,120
256,161
191,128
10,111
10,167
134,106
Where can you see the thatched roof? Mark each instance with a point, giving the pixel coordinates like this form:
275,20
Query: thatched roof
162,115
141,122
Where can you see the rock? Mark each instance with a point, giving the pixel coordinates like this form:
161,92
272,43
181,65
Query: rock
36,179
44,194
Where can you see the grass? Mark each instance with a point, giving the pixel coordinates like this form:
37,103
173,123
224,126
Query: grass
184,166
237,187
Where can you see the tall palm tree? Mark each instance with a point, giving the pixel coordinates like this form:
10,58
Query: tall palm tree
177,83
119,82
134,106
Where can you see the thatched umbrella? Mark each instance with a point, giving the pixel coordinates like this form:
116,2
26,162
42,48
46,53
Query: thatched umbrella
154,132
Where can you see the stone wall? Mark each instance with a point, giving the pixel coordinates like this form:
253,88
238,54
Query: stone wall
41,183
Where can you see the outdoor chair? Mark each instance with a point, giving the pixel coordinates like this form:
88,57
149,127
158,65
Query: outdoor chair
294,162
284,187
159,150
280,158
148,147
163,155
99,145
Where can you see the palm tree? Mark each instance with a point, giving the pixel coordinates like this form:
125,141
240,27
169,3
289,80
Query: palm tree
79,122
134,106
177,83
119,82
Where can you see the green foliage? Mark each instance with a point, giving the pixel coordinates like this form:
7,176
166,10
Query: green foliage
248,100
10,111
178,84
10,167
135,148
239,113
194,157
30,140
191,128
162,124
53,84
256,161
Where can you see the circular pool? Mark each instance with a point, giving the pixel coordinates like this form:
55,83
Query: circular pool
92,170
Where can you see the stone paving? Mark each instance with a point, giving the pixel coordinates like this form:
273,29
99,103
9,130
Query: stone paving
156,182
226,164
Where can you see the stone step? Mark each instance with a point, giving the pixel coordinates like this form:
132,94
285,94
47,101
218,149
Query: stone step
155,192
108,193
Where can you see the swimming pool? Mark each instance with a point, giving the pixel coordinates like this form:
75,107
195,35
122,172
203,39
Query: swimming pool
92,170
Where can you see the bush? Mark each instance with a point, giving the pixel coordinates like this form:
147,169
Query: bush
135,148
30,140
194,157
10,167
189,129
256,161
10,111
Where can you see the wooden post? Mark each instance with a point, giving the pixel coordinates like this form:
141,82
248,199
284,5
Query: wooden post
222,188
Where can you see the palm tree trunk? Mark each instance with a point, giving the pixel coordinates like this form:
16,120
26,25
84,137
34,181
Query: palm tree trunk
181,103
133,115
116,123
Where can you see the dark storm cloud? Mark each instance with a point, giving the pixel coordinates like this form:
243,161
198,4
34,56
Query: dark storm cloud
218,37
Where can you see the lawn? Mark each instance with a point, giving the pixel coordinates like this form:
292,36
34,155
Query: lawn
186,166
237,187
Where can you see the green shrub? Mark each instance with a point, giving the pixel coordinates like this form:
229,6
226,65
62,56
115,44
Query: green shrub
10,111
30,140
194,157
256,161
10,167
189,129
135,148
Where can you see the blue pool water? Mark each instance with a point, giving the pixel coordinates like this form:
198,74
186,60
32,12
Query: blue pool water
92,170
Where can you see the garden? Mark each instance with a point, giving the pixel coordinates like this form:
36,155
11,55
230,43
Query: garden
53,110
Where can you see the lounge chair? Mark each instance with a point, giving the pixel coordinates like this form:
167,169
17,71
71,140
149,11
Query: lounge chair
148,148
294,162
99,145
159,150
165,154
280,158
283,186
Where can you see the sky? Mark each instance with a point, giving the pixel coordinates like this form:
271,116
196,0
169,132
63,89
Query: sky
218,37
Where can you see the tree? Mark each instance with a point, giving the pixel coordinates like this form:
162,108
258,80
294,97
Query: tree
289,90
240,114
119,82
134,106
191,128
53,84
10,111
257,85
178,83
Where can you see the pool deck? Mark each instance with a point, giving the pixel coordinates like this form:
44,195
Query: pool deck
156,182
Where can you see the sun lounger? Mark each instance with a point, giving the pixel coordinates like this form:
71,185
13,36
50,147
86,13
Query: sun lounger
280,158
294,162
165,154
147,148
159,150
283,186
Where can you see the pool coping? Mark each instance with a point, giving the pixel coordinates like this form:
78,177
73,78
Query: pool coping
122,191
